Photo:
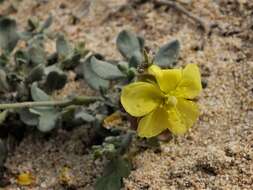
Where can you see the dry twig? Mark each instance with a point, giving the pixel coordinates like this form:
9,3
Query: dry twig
201,22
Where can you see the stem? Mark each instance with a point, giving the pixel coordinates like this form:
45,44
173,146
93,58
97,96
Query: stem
79,100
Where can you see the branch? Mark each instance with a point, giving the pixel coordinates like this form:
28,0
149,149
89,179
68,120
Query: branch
172,3
79,100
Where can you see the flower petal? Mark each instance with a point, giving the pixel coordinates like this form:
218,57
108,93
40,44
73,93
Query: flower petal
167,79
190,85
183,116
140,98
154,123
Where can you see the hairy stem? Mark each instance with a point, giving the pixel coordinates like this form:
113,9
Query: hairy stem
79,100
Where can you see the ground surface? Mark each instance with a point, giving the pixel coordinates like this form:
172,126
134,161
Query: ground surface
217,153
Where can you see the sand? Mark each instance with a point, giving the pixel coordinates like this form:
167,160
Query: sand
217,153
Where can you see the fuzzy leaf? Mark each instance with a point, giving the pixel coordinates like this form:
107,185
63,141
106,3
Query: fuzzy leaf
47,120
8,34
113,174
93,80
135,60
36,74
63,48
37,55
106,70
48,22
84,117
167,55
4,86
38,94
28,117
128,44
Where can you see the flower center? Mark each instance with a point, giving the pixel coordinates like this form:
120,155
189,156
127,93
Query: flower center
170,101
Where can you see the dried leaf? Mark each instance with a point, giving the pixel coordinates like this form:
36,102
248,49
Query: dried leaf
65,176
112,120
25,179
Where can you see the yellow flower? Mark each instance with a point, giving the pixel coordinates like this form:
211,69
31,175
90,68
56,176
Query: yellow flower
166,104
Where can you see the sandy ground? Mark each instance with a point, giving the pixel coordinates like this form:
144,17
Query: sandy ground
218,151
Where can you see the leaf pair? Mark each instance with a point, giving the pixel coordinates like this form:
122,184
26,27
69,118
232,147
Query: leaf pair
44,117
167,55
131,47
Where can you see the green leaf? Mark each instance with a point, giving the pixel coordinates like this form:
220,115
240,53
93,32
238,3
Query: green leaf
4,60
32,24
21,57
38,94
123,66
71,61
36,74
47,120
135,60
4,86
8,34
55,80
28,117
141,42
167,55
92,79
113,174
128,44
48,116
84,117
63,48
48,22
37,55
106,70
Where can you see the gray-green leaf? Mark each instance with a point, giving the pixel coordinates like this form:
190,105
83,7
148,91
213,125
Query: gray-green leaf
167,55
8,34
113,174
3,81
47,23
63,48
37,55
92,79
38,94
28,117
47,120
106,70
36,73
128,43
84,116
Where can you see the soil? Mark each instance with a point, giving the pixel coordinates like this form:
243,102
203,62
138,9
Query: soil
217,153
